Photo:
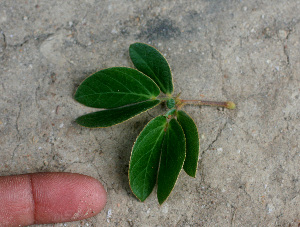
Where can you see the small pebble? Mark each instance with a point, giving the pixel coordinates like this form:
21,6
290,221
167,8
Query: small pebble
165,209
108,217
282,34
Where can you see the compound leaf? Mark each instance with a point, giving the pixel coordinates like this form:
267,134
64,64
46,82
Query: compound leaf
145,157
151,62
115,87
172,159
106,118
192,142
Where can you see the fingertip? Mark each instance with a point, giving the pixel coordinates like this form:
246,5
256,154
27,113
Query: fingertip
64,197
94,195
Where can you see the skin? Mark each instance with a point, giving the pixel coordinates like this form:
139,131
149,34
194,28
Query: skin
43,198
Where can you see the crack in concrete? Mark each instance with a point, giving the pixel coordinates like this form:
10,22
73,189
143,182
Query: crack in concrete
17,121
289,32
36,95
215,140
40,39
19,44
247,194
91,162
14,152
285,47
99,175
232,220
4,40
209,147
212,52
150,114
251,63
2,84
51,142
18,132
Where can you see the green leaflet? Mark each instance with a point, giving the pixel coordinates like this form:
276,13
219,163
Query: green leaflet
115,87
192,142
106,118
151,62
172,159
145,158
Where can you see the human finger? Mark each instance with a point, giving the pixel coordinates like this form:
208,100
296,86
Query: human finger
43,198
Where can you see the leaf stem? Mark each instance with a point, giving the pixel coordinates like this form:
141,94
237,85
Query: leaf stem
228,105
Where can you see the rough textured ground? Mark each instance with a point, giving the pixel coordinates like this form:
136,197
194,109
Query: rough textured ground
244,51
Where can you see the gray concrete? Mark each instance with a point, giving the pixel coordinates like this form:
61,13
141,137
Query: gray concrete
244,51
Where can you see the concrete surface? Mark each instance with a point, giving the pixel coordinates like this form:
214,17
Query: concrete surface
244,51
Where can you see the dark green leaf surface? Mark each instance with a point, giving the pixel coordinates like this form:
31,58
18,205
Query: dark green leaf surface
106,118
115,87
145,158
151,62
172,159
192,142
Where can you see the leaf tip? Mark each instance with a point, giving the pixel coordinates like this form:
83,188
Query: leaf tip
193,175
161,201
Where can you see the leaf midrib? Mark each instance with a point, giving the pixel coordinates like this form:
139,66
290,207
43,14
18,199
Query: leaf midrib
151,152
162,131
117,92
158,128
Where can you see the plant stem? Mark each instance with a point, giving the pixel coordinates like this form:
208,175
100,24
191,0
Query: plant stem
228,105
